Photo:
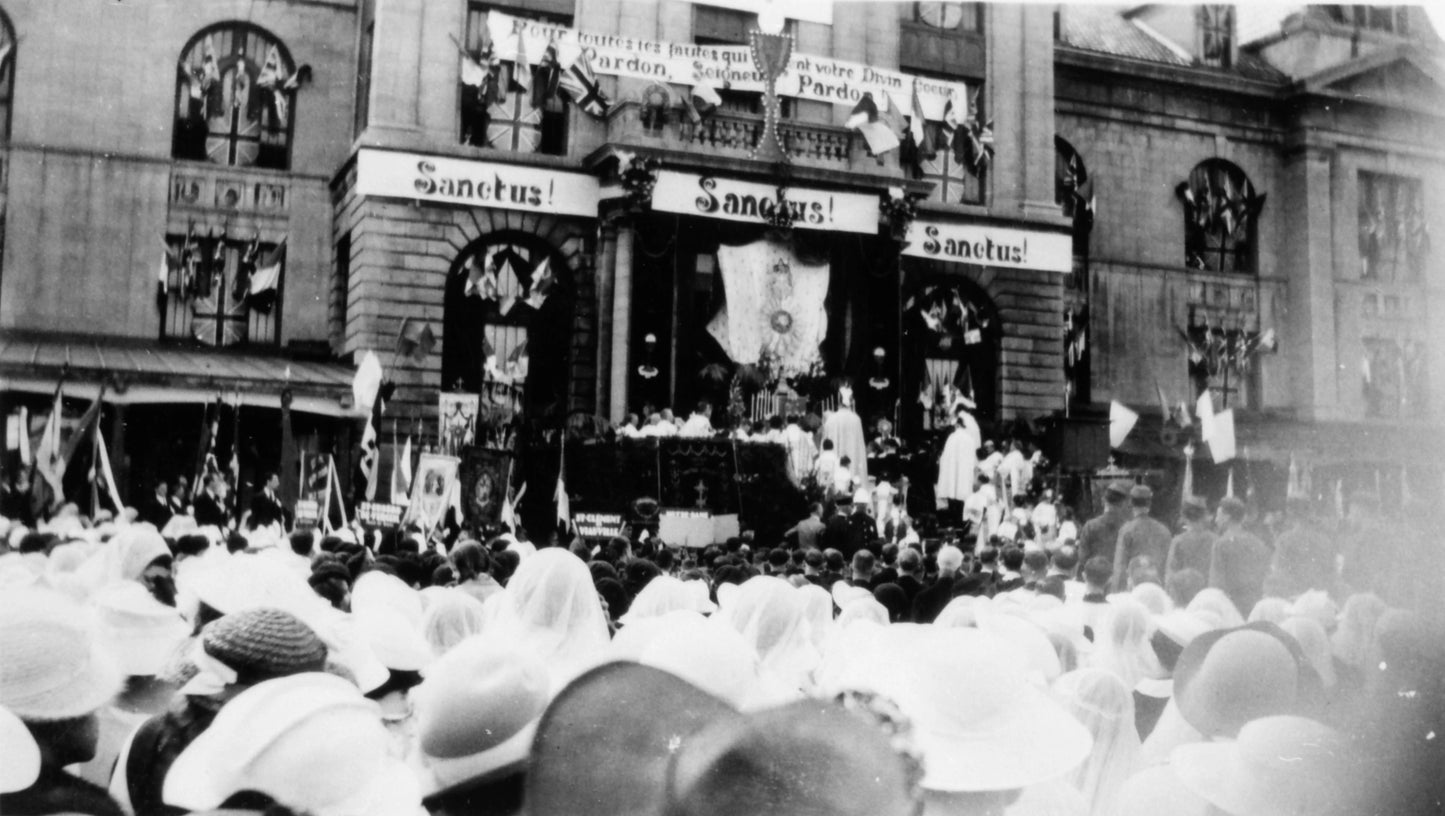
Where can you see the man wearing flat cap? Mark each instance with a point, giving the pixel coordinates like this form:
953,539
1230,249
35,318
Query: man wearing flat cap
1140,535
1100,535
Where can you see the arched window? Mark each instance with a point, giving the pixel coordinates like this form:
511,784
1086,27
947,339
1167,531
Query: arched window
1220,215
7,73
506,324
235,98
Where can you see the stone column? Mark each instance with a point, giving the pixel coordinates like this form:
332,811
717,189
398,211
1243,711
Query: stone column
621,328
1308,338
606,261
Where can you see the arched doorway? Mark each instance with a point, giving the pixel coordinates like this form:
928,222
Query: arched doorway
952,337
507,318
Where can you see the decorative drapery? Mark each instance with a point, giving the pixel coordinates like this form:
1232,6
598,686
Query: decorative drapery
774,311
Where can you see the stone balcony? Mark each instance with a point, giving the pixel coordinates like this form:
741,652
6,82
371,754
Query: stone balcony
730,135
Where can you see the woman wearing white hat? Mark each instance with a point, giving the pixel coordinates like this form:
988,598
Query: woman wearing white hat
54,676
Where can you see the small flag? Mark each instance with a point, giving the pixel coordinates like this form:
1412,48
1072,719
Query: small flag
865,111
266,278
1121,421
549,76
367,383
522,70
510,503
103,474
415,340
541,285
50,460
950,118
400,470
704,99
580,83
1163,401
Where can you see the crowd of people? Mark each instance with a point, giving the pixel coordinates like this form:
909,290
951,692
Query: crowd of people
1017,664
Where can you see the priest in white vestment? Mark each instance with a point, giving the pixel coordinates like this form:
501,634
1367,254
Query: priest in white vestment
959,463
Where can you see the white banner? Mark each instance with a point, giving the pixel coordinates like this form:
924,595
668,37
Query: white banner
991,246
754,202
474,183
821,79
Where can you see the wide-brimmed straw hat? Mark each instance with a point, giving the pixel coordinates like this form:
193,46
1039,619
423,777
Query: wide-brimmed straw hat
980,723
52,665
143,632
478,710
310,741
1279,766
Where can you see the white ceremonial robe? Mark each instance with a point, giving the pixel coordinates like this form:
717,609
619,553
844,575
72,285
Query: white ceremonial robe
801,452
959,463
846,430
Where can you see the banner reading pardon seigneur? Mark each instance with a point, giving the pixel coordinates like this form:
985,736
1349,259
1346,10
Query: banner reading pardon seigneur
822,79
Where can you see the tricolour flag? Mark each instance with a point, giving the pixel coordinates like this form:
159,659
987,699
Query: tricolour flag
865,111
49,490
267,278
104,478
400,469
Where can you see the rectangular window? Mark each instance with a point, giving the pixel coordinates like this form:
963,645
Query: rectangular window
363,78
510,118
207,298
1216,36
942,38
718,26
1393,237
341,287
954,183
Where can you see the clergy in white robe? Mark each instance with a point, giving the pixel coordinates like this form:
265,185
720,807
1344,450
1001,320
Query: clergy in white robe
801,451
845,429
959,463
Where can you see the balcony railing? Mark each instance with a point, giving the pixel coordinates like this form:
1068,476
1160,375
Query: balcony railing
734,135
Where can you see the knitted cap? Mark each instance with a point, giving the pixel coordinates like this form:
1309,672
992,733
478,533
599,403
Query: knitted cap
264,643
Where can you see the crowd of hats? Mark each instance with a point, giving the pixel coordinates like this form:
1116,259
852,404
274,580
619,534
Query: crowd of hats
348,675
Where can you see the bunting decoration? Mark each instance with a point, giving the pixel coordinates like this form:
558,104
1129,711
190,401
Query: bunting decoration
973,141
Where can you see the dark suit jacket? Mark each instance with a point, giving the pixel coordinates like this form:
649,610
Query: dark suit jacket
266,510
210,511
155,511
932,599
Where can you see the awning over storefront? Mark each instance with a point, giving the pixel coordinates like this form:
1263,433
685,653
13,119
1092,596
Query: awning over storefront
141,374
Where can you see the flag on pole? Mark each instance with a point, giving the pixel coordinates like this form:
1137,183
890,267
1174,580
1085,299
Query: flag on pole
400,469
366,388
865,120
334,482
564,504
101,473
510,503
27,455
267,278
1121,421
49,490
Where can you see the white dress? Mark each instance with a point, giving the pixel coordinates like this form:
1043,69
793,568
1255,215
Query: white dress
959,463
